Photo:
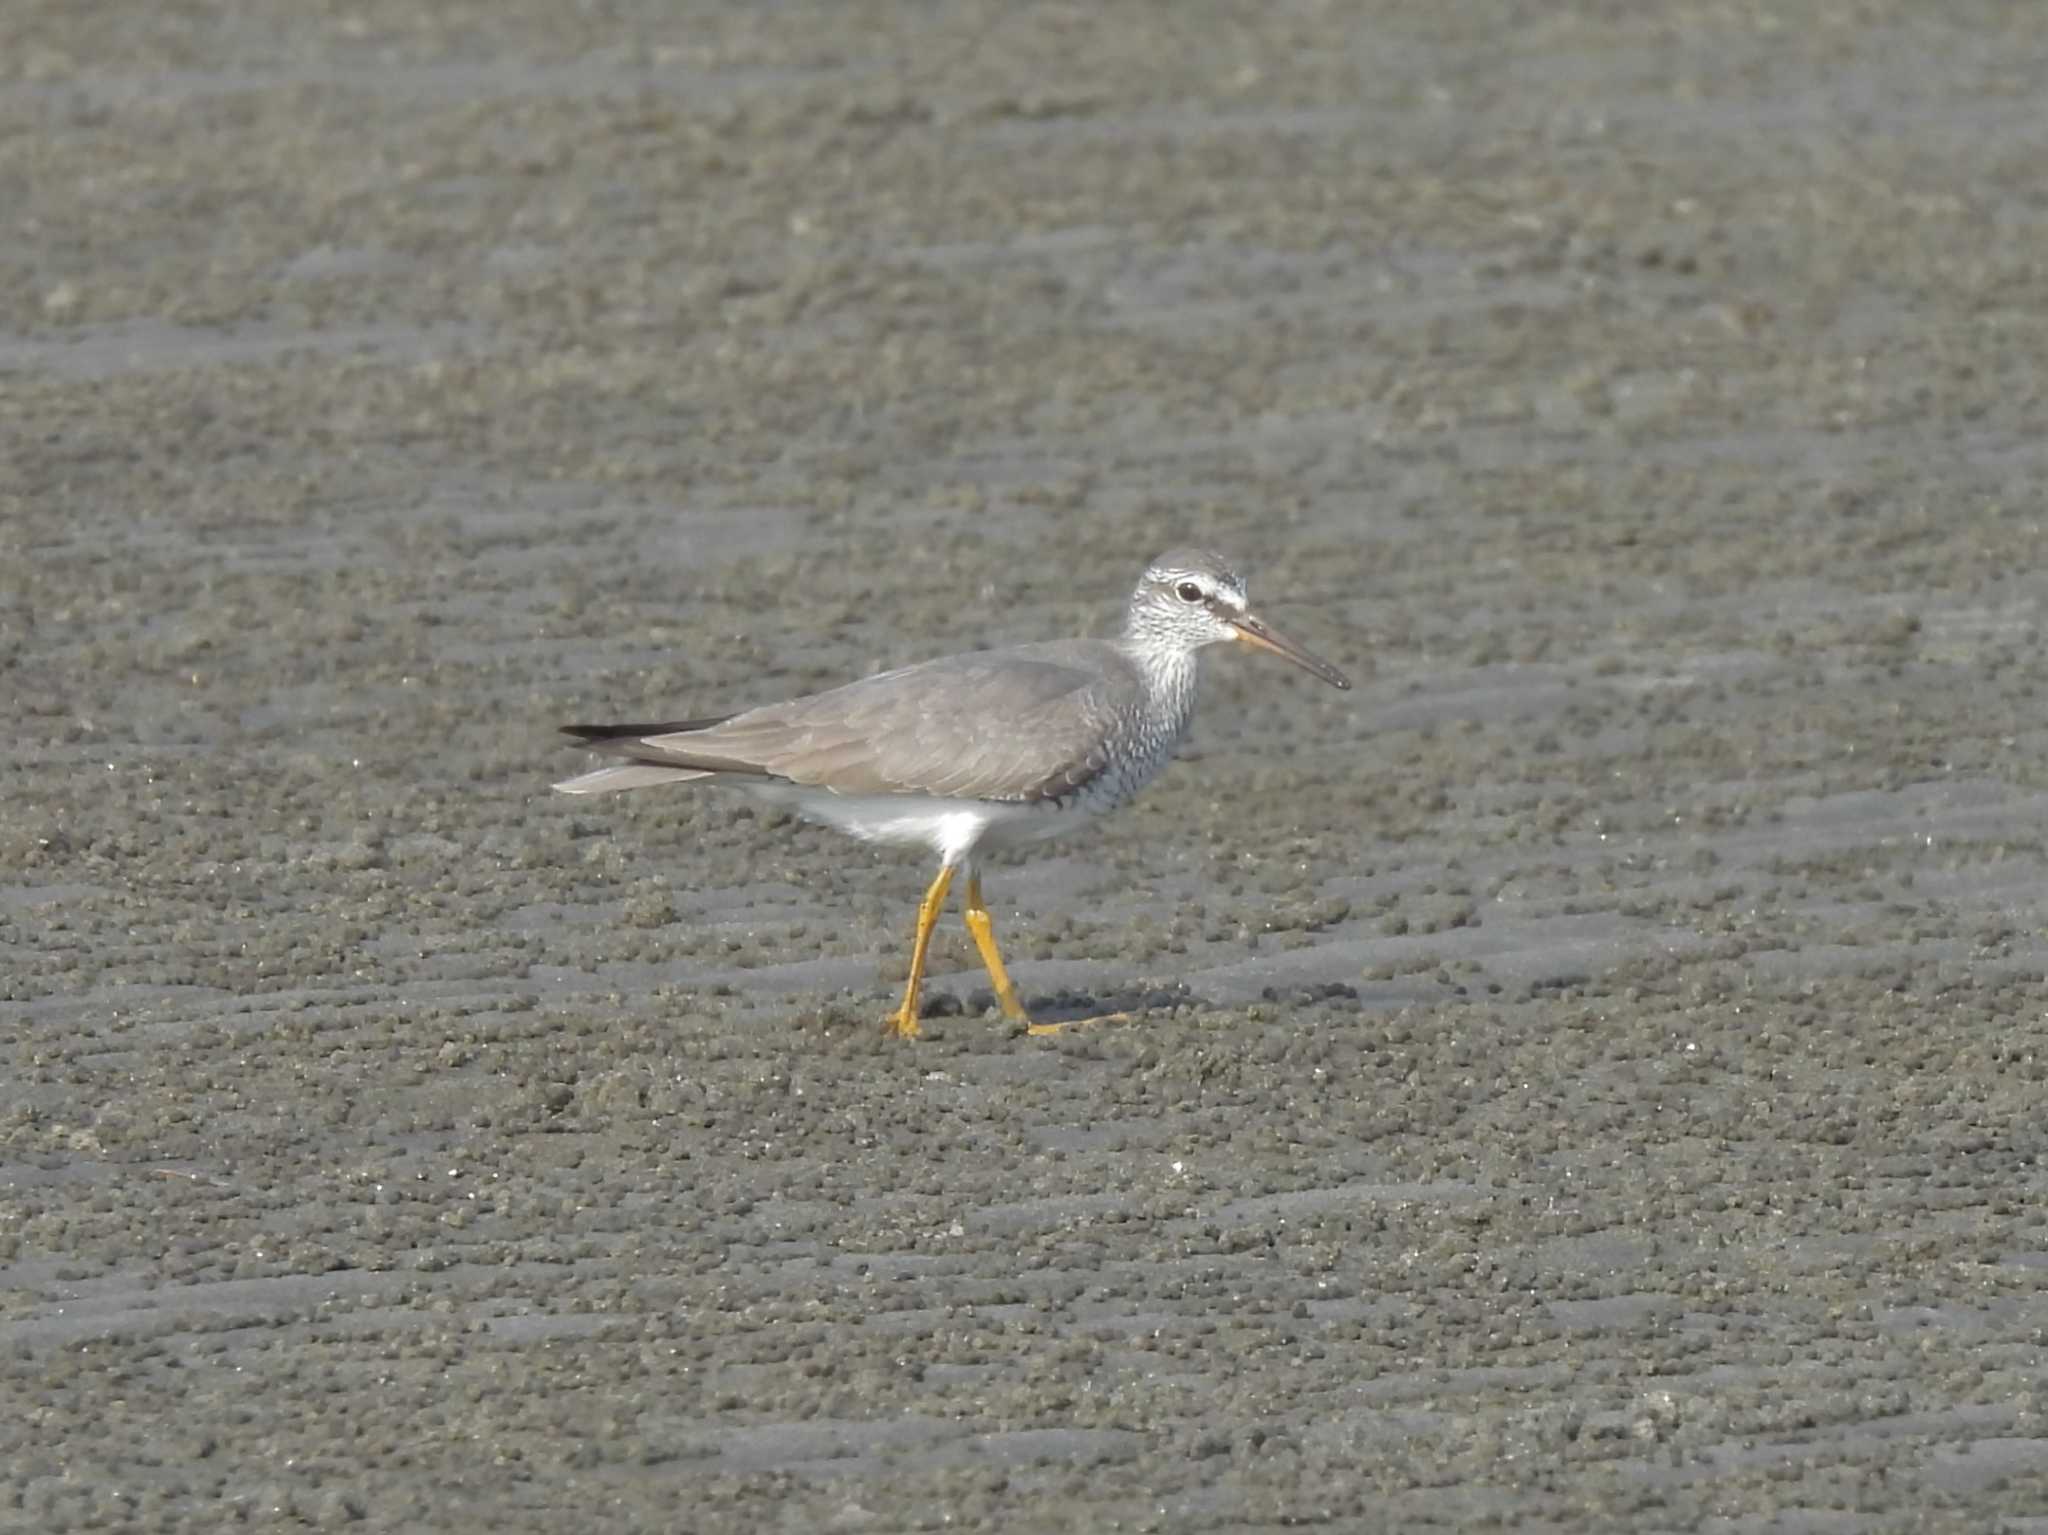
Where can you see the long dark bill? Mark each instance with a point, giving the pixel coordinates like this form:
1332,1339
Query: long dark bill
1256,632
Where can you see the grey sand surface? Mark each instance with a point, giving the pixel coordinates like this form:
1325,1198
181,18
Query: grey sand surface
1590,1077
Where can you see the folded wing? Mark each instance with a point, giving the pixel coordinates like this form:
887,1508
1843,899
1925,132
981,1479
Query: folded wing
1018,726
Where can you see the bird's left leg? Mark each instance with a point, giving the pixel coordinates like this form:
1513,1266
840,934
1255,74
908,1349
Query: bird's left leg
984,932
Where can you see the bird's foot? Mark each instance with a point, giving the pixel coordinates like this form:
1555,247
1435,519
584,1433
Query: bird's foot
1039,1030
902,1024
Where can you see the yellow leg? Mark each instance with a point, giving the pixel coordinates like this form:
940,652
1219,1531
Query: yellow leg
985,940
1077,1023
903,1022
984,932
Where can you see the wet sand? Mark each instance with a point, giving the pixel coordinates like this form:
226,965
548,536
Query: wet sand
1590,1077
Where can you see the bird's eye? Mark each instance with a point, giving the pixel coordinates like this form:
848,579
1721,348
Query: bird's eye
1187,591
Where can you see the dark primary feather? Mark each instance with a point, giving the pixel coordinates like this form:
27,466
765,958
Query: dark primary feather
616,732
1016,725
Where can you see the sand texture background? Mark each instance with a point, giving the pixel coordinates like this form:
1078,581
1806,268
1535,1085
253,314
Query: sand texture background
1590,1077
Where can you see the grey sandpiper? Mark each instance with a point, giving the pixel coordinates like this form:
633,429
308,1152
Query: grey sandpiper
988,750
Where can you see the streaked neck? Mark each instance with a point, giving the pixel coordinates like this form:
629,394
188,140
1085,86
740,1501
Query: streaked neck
1170,670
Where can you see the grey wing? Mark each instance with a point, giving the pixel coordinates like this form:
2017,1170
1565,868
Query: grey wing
1002,726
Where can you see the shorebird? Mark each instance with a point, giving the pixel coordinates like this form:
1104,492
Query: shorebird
992,749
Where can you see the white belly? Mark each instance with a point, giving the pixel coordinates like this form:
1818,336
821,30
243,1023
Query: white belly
951,828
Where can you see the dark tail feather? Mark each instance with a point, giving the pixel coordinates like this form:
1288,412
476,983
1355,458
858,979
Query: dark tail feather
623,732
651,749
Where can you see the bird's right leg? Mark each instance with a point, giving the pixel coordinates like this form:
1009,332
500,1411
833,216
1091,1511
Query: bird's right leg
903,1022
984,932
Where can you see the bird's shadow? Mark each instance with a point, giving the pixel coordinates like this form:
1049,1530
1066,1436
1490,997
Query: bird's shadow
1058,1008
1068,1006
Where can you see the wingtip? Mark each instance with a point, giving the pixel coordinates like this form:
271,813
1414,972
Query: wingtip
634,730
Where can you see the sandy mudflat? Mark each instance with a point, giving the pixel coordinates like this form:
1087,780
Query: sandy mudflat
1595,1074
